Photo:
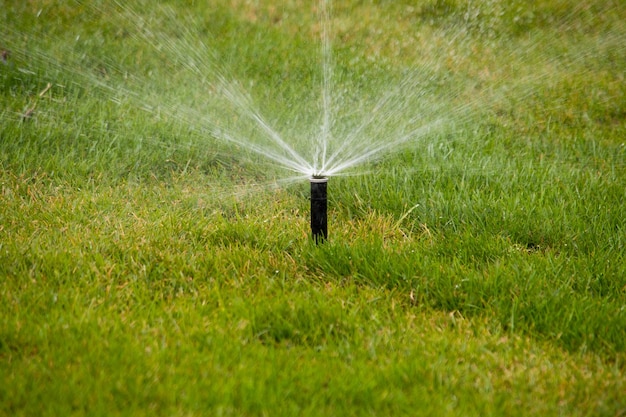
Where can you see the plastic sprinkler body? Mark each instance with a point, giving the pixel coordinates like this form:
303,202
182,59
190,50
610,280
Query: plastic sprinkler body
319,209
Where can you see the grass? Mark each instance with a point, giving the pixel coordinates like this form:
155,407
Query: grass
148,268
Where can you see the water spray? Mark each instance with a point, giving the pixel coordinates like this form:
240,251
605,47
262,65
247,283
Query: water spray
319,209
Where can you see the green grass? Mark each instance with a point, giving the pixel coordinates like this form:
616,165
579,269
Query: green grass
147,268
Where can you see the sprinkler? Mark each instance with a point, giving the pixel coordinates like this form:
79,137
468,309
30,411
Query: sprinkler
319,209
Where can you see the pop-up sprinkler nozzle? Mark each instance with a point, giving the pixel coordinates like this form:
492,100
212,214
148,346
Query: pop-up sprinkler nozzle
319,209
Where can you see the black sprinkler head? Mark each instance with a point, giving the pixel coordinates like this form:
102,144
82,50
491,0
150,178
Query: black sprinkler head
319,209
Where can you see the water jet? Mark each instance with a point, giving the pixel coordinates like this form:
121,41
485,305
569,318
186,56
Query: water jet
319,208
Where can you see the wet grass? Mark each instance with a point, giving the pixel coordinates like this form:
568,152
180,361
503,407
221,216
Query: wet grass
147,268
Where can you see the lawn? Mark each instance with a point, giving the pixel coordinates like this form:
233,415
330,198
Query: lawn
155,249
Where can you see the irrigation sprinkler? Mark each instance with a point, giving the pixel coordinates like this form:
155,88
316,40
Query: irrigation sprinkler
319,209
